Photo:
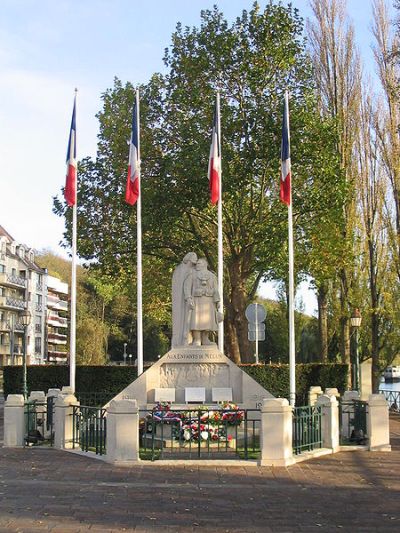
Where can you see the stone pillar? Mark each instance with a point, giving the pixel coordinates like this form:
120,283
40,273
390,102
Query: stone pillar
14,421
37,396
313,394
122,439
330,421
276,433
63,420
378,423
332,391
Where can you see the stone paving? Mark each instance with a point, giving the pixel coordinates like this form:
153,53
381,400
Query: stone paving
48,490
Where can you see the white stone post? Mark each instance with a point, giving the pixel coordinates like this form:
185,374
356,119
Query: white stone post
14,421
63,420
378,423
313,394
276,432
329,422
332,391
122,439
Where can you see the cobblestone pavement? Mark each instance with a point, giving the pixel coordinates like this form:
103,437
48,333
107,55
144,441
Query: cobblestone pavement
48,490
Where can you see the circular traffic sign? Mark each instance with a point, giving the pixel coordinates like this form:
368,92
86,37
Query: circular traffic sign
255,313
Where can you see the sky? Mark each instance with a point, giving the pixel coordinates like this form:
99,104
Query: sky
47,49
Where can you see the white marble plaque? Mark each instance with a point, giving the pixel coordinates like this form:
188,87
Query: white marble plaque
164,395
221,394
195,394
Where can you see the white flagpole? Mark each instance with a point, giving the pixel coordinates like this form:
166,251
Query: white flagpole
292,353
139,254
72,342
220,243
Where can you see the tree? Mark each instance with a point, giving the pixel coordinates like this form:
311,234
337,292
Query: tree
251,62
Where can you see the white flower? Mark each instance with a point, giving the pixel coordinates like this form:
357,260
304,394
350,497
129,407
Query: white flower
187,434
204,435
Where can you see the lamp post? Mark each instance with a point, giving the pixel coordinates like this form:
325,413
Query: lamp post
130,359
26,320
124,354
355,321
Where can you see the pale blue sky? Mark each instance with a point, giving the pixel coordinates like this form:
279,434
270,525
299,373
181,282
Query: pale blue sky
47,48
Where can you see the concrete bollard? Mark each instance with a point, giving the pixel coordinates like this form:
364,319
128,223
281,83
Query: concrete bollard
378,423
330,421
14,421
276,433
313,394
63,420
122,439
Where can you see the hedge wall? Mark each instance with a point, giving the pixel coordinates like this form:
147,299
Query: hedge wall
275,378
109,380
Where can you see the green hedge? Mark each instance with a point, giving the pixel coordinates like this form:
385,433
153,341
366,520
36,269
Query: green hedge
275,378
106,381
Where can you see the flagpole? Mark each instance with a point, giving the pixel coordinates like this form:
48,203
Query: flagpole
220,242
72,342
139,254
292,353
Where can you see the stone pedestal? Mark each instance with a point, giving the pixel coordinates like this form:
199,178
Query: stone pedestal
313,394
330,421
63,420
14,421
378,423
122,444
276,433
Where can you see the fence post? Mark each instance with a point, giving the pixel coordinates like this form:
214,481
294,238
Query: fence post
313,394
378,423
63,420
276,432
329,422
14,421
122,438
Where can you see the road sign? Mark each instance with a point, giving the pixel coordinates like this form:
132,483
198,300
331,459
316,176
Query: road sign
256,327
252,336
255,313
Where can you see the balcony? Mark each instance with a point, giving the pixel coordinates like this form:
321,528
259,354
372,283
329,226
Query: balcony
55,303
10,302
38,328
11,280
57,321
39,287
5,349
57,355
5,325
57,338
39,308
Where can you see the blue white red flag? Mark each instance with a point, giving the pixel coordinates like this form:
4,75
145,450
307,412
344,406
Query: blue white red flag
214,165
70,182
133,179
285,191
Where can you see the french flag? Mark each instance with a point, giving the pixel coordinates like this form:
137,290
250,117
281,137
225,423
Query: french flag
285,192
132,182
70,182
214,165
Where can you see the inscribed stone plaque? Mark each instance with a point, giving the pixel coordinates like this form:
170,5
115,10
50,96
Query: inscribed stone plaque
164,395
221,394
195,394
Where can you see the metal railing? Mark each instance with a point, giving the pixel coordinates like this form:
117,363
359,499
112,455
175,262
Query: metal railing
89,429
39,418
307,434
200,433
353,422
393,399
95,399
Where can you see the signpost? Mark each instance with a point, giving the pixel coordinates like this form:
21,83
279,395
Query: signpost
255,314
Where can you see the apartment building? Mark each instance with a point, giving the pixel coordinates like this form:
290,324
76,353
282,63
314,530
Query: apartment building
57,322
24,285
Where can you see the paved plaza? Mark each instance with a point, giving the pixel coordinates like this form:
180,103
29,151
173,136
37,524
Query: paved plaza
48,490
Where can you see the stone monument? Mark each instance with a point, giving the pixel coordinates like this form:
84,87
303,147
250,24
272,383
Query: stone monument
194,361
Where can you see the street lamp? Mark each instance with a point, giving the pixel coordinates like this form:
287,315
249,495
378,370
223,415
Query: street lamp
355,321
130,359
124,354
26,320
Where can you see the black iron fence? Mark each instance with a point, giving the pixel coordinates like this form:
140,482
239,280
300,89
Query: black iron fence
89,429
94,399
353,422
39,417
393,399
307,434
200,433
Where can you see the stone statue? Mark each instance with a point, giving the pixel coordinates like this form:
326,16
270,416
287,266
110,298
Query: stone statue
181,335
200,288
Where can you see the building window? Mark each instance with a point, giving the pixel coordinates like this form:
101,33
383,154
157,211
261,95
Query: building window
2,268
38,345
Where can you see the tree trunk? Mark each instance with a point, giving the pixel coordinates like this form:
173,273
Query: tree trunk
238,302
231,343
323,322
